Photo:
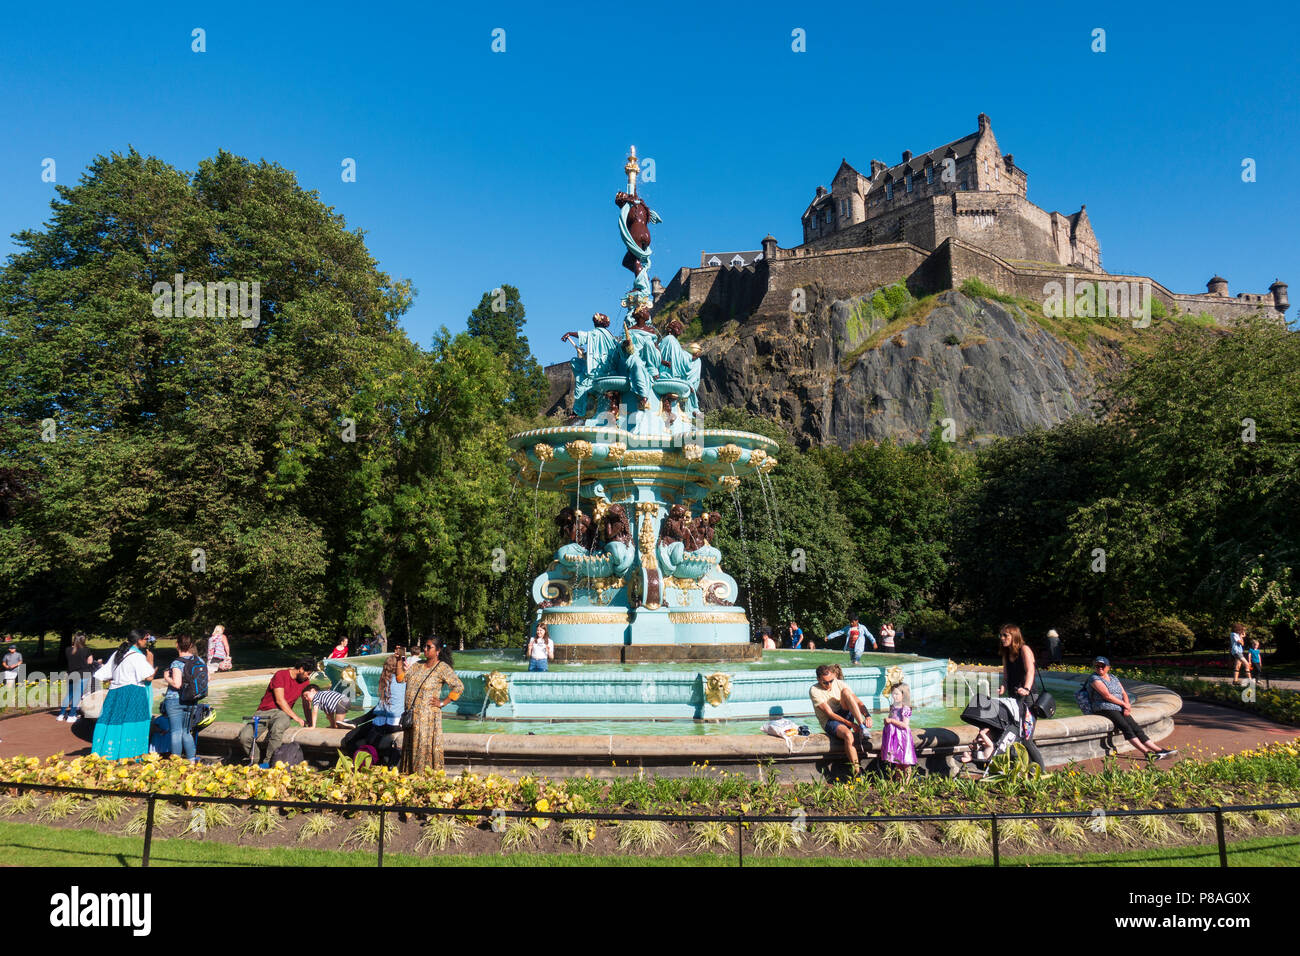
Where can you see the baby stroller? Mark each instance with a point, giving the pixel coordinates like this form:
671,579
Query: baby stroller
1003,722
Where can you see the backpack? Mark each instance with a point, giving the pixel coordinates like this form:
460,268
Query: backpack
194,681
1083,696
291,753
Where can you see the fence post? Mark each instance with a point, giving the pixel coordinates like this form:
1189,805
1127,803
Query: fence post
997,861
381,838
740,836
1223,844
148,830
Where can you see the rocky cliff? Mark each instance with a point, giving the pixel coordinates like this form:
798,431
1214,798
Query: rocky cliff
841,374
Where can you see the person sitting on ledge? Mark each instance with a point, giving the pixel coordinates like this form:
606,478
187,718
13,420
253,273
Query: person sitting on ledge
841,713
275,712
1110,700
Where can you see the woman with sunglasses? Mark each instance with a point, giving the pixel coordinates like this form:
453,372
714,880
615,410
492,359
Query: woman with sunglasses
422,741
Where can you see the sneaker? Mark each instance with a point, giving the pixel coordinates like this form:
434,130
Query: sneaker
1166,752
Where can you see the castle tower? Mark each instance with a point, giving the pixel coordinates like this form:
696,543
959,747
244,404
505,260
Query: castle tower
1280,301
1217,286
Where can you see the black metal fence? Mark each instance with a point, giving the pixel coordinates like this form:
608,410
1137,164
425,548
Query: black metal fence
738,819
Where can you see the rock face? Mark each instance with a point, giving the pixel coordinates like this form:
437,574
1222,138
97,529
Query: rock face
832,376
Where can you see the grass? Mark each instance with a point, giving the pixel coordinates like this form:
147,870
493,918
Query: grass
579,832
366,832
318,824
708,835
966,836
104,810
776,838
27,844
22,804
644,836
164,815
902,834
519,834
843,837
439,832
260,822
1154,828
64,805
1070,832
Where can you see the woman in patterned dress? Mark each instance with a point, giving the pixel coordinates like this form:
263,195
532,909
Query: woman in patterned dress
422,744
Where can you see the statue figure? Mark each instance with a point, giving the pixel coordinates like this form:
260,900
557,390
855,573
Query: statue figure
597,356
640,342
680,364
634,218
617,536
702,530
674,538
575,529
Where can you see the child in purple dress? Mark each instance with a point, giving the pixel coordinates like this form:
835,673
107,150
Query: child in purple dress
897,749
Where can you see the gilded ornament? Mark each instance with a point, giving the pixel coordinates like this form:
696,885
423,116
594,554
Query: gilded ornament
729,453
578,450
693,452
543,451
730,482
617,451
497,687
717,688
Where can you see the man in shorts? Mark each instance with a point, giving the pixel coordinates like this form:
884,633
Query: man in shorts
841,713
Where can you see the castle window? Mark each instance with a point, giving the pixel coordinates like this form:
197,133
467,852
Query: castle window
929,174
889,190
997,174
964,183
828,215
909,180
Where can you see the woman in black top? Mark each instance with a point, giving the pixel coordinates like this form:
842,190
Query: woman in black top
1018,668
80,667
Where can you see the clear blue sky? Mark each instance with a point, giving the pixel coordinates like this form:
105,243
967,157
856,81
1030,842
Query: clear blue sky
476,168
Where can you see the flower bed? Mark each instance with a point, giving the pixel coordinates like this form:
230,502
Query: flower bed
1269,774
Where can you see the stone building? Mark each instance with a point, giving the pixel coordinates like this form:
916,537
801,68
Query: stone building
934,220
966,189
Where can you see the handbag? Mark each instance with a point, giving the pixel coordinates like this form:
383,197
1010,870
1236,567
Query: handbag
1044,705
407,720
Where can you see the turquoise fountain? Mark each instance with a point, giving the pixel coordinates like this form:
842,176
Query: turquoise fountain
636,595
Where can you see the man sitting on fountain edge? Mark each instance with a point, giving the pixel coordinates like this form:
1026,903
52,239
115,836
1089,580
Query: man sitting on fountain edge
841,712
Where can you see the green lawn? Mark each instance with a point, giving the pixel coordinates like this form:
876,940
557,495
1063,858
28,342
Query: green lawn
27,844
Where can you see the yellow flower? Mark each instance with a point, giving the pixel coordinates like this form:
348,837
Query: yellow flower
543,805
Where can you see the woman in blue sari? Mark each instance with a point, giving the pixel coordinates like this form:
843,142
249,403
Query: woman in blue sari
122,730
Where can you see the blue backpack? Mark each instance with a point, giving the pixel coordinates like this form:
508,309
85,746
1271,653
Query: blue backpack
1083,696
194,681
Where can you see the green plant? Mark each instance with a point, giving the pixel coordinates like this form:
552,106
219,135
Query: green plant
318,824
772,838
260,822
705,836
103,810
1237,821
966,835
844,837
17,805
1023,833
64,805
518,834
645,836
366,833
208,816
1105,825
578,832
1270,819
164,814
1154,828
1068,831
1197,824
439,832
902,834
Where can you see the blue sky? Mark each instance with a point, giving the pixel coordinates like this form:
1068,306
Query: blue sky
476,168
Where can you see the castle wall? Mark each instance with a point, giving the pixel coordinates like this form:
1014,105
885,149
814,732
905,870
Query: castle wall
842,272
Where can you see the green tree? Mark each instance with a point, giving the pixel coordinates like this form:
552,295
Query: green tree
793,558
498,321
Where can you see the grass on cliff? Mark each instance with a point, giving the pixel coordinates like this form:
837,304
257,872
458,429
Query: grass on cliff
892,305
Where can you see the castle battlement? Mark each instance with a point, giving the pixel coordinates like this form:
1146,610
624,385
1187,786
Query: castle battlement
958,211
